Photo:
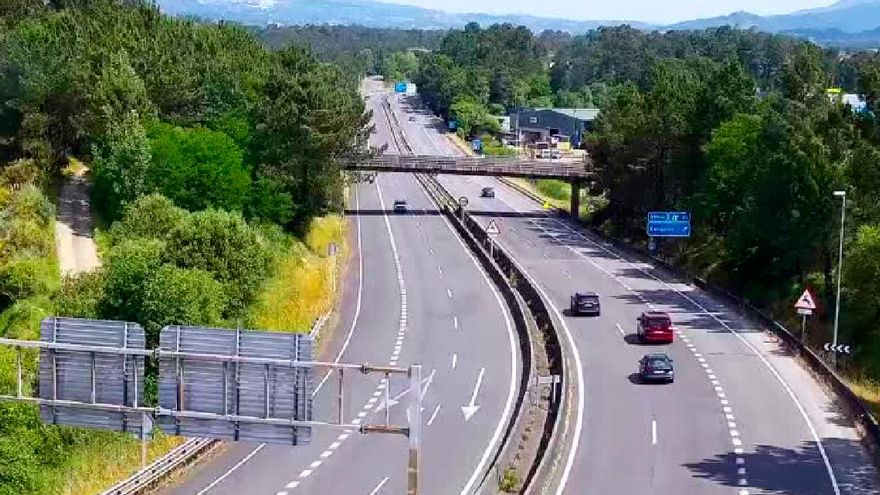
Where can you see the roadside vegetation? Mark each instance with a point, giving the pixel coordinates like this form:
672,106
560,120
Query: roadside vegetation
216,180
735,126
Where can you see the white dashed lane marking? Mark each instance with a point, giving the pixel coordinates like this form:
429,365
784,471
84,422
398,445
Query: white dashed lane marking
379,486
398,346
434,415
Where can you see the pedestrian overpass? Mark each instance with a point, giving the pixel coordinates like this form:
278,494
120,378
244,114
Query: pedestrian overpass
576,173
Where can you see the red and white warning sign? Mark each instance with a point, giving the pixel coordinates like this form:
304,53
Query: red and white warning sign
806,301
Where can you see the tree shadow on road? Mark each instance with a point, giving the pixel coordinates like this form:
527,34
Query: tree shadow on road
795,471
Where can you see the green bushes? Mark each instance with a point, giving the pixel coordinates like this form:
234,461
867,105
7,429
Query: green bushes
197,168
175,295
168,266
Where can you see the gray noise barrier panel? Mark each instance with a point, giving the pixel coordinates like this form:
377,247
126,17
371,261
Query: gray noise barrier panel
92,377
235,396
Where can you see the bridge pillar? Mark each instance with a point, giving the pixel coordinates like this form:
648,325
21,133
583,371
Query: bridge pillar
575,199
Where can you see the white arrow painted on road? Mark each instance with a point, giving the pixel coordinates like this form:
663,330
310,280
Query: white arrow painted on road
393,401
472,408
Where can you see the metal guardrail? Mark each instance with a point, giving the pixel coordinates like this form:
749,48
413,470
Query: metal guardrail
147,478
858,412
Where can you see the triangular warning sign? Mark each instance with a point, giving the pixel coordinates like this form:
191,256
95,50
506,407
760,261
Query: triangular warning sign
493,229
806,301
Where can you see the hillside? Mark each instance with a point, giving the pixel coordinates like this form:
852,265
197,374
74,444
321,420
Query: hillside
362,12
849,16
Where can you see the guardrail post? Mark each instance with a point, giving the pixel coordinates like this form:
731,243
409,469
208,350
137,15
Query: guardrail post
415,428
575,199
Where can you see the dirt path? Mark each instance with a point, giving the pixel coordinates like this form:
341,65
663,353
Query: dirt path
73,227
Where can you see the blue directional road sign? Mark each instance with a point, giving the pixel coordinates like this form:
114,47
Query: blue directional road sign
669,224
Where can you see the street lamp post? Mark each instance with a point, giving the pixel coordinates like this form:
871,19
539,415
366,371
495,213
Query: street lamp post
842,195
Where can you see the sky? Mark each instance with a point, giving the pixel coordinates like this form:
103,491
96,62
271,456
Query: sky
655,11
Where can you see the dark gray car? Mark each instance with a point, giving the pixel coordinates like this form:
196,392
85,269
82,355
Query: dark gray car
656,367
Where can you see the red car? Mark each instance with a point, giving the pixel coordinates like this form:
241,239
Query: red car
655,326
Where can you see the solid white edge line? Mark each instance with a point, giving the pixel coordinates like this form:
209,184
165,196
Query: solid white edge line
745,342
508,406
357,312
357,308
231,470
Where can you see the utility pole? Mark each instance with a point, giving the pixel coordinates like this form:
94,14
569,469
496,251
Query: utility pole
842,195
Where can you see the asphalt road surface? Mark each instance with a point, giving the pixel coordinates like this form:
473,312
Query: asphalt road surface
741,417
413,295
73,227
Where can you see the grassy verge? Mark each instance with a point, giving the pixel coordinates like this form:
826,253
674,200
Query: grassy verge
302,288
102,459
868,390
557,194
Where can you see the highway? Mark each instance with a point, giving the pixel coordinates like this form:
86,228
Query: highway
742,416
413,295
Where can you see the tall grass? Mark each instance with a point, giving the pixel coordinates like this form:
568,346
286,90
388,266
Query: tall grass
102,459
301,289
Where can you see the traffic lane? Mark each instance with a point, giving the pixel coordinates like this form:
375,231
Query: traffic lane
766,443
421,132
689,414
433,340
465,320
371,341
711,324
617,454
381,134
246,465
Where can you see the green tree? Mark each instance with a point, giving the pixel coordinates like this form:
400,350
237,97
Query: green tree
308,121
121,165
177,296
473,118
222,244
127,266
862,282
400,66
150,217
197,168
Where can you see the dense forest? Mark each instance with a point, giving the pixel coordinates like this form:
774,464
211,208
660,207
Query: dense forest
733,125
211,157
358,50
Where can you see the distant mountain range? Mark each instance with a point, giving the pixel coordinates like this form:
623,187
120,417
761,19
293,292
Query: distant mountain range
849,16
847,23
368,13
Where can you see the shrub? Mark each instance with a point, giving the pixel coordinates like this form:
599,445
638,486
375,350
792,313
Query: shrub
150,217
197,168
127,266
81,295
224,245
24,277
177,296
25,237
30,203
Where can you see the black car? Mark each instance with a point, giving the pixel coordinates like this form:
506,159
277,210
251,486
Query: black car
656,367
488,192
400,206
585,303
